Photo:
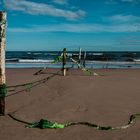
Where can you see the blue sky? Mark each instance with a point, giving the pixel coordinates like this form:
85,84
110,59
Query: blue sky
97,25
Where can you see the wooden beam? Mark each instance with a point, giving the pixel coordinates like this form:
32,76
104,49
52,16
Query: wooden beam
2,61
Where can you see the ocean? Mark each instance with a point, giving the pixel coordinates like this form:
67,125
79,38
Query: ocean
95,60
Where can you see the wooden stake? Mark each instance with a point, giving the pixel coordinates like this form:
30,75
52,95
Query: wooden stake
79,58
64,62
84,62
2,59
72,62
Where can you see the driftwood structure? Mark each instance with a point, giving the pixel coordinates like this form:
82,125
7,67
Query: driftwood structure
2,61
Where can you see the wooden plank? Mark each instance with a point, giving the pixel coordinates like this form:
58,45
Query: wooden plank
2,60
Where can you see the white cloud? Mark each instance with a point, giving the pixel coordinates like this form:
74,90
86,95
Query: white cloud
80,28
129,0
117,2
61,2
123,19
112,2
130,40
34,8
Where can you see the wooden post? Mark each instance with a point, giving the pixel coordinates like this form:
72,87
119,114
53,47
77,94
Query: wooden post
72,62
84,62
64,62
79,57
2,61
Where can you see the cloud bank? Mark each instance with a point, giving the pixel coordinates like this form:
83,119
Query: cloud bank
124,1
34,8
115,24
123,19
61,2
80,28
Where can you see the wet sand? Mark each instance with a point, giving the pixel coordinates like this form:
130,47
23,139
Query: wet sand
108,99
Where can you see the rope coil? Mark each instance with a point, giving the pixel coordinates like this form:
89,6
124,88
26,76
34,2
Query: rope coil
46,124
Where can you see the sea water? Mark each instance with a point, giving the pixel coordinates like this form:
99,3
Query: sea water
44,59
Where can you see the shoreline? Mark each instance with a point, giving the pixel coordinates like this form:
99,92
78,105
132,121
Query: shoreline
93,65
87,61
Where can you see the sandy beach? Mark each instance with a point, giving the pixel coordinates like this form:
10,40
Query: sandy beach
107,99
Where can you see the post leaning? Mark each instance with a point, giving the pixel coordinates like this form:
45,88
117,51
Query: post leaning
2,61
79,56
64,62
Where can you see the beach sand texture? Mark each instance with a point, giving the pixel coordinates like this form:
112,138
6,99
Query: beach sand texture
104,100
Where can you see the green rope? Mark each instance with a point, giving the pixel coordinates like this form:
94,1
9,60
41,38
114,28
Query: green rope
30,83
29,86
25,85
87,71
43,124
3,90
58,59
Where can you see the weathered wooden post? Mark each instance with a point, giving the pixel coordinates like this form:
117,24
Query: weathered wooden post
72,62
2,61
79,57
64,62
84,62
